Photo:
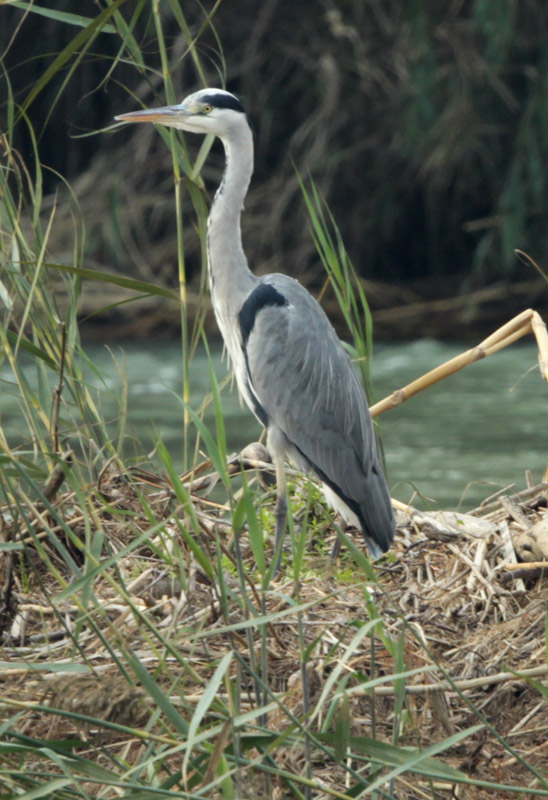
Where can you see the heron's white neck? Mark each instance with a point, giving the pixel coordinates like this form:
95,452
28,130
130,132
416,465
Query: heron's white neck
229,275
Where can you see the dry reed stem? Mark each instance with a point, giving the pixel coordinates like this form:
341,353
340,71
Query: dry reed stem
509,552
529,321
468,637
528,565
469,683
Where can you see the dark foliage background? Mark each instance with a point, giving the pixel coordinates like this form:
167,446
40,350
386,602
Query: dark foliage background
424,125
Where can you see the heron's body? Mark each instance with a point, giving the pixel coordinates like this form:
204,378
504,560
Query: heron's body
290,366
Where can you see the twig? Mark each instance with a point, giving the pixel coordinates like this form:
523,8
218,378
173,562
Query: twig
515,513
479,558
57,476
509,552
531,571
8,604
486,505
467,683
524,720
473,568
527,565
59,389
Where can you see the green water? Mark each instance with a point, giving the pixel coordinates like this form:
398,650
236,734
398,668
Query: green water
457,443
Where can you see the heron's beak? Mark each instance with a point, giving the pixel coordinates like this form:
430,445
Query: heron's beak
163,116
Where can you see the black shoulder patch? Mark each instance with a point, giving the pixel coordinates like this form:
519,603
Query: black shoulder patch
264,295
220,100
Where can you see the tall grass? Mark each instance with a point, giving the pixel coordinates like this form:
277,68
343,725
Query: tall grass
107,690
424,127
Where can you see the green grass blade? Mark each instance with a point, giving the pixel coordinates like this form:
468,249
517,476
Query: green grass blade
207,698
64,17
116,280
19,341
79,45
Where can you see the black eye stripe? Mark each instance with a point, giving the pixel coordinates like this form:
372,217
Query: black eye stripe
218,100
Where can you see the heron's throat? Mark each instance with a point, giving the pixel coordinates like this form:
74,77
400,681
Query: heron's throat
229,275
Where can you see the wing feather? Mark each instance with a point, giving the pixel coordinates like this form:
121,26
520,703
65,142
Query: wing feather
304,380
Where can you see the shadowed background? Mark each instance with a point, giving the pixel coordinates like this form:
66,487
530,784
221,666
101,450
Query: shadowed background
424,126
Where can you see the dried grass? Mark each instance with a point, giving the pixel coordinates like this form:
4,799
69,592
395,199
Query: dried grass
473,634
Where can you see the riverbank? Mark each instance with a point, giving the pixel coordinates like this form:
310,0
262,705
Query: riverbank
113,313
163,634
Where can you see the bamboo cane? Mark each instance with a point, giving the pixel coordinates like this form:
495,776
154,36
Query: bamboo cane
528,321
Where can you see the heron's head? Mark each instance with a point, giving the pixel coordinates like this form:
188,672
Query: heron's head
207,111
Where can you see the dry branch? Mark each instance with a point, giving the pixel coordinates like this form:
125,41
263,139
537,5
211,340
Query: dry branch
57,476
471,683
526,322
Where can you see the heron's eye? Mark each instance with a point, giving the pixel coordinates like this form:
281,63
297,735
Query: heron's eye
207,109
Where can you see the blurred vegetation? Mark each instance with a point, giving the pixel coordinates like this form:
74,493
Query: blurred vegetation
422,124
148,650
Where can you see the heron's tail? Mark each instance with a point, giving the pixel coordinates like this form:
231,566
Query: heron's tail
376,516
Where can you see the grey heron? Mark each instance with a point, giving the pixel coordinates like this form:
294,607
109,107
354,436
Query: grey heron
291,368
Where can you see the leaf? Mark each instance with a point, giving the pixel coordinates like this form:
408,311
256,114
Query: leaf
17,340
48,789
47,666
7,546
404,759
60,16
207,698
254,527
219,419
210,444
85,36
334,676
342,728
117,280
185,499
83,580
160,699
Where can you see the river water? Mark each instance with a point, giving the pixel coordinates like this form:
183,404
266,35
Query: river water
456,443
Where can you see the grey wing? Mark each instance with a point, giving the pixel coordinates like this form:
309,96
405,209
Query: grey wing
306,386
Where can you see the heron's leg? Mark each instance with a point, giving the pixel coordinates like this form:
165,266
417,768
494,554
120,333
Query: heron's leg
280,511
336,548
338,541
